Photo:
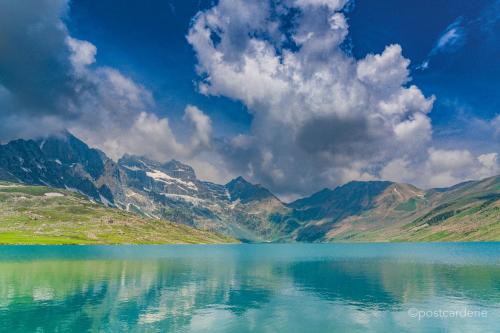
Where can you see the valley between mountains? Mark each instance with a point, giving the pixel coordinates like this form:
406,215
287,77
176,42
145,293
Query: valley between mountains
152,202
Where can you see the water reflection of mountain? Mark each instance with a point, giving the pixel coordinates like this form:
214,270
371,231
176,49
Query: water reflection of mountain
119,295
383,284
353,282
166,294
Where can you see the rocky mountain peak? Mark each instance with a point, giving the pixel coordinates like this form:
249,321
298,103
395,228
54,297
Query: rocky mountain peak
179,170
172,168
239,181
240,189
65,148
60,161
138,162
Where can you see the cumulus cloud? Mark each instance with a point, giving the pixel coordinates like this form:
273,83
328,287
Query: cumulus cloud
82,52
388,70
320,116
50,81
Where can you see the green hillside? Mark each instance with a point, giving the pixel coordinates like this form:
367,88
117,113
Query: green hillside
42,215
464,212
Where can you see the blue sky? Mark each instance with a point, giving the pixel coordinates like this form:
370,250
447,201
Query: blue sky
294,94
147,40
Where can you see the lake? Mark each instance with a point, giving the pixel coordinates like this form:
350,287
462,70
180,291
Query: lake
251,288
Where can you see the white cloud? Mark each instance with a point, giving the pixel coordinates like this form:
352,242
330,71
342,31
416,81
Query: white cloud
446,160
442,168
447,167
489,165
398,170
82,52
202,124
418,128
388,70
331,4
320,116
406,101
450,40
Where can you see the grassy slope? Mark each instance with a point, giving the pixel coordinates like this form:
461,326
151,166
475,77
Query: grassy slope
472,224
29,216
470,212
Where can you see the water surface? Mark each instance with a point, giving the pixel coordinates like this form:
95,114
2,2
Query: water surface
251,288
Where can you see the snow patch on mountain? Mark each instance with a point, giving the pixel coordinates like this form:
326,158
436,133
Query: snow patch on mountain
182,197
163,177
131,168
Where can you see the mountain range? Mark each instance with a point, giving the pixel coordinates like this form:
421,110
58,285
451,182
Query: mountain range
356,211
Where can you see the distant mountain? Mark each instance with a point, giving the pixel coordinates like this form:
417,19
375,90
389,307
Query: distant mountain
322,211
345,200
356,211
240,189
465,212
400,212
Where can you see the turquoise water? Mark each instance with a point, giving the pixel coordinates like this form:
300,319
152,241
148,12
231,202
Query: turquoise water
251,288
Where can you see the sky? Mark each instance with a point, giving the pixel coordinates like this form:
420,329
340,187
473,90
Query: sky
297,95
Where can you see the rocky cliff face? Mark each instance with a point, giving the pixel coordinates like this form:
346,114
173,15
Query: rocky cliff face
63,162
168,190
